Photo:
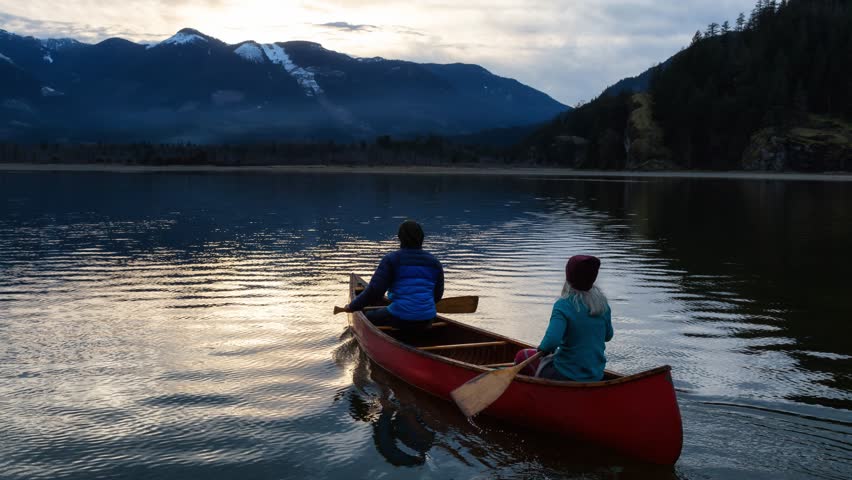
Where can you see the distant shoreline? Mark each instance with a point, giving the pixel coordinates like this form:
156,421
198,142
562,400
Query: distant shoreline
426,170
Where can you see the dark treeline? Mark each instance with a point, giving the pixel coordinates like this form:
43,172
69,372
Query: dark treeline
785,68
591,136
429,150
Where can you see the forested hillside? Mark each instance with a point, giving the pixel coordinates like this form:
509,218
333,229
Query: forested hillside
769,90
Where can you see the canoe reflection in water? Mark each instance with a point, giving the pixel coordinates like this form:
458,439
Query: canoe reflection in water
399,432
411,428
399,426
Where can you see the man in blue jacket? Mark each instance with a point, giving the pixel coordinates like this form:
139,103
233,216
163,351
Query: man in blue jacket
413,280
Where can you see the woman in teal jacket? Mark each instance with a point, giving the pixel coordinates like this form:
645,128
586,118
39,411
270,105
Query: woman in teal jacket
580,325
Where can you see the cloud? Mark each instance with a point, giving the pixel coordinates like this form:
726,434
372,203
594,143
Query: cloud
348,26
59,29
407,31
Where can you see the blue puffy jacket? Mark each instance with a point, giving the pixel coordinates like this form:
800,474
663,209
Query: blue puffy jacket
413,280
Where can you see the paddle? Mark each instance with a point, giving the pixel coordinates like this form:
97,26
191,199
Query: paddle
465,304
477,394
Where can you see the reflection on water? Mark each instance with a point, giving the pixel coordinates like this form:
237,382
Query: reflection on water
179,326
398,431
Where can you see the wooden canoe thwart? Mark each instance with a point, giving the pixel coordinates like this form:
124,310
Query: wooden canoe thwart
432,348
636,415
466,304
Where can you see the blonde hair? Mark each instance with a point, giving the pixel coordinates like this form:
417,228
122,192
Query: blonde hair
594,299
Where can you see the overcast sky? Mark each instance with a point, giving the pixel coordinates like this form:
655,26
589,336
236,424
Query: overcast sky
570,49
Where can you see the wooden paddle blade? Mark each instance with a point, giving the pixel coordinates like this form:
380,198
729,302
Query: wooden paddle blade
339,310
466,304
477,394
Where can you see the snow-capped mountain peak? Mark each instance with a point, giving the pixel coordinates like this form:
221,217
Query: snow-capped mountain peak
186,36
251,52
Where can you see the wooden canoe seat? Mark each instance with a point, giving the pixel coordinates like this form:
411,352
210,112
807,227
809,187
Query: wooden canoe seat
464,345
388,328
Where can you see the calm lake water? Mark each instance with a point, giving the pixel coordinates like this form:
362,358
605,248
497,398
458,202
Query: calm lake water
179,326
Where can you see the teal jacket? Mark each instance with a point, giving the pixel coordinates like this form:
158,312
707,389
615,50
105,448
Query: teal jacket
578,340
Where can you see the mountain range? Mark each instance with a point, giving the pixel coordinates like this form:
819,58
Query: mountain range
195,88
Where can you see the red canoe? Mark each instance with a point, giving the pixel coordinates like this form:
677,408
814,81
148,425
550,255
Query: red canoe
636,415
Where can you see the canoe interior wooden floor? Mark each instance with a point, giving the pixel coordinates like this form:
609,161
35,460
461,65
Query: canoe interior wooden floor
459,342
463,343
470,345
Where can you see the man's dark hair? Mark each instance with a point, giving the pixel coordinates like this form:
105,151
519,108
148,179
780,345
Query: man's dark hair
410,234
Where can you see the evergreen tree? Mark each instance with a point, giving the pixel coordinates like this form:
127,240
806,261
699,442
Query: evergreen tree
800,100
726,27
741,21
712,30
697,37
754,19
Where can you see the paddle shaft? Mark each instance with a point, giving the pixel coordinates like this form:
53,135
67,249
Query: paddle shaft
526,362
465,304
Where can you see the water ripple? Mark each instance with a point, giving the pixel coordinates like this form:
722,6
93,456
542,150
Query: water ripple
192,337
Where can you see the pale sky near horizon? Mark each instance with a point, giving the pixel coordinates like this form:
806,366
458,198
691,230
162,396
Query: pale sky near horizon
570,49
